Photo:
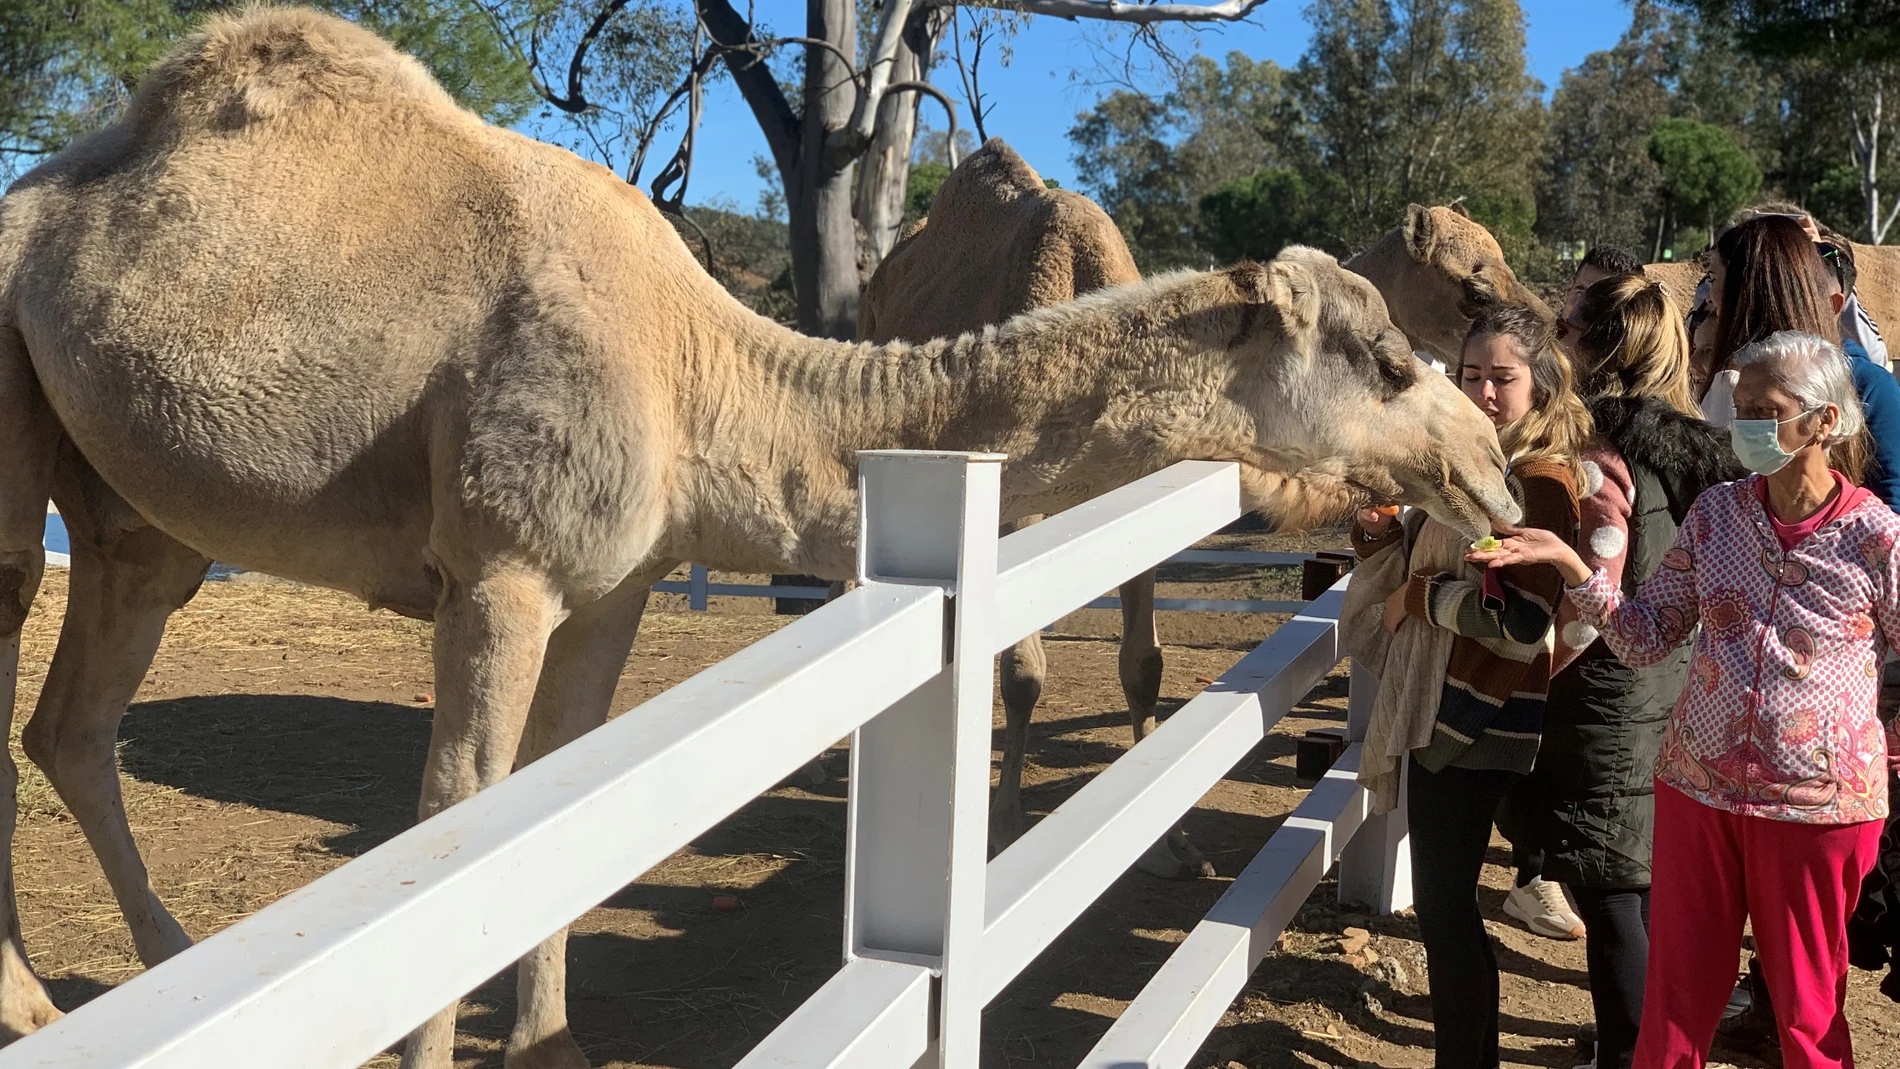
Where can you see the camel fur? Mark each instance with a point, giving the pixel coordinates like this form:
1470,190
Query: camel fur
298,312
1437,270
999,242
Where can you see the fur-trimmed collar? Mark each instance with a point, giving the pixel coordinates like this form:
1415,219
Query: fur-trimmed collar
1687,455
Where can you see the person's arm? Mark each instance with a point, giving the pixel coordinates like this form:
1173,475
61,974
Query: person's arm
1641,630
1885,564
1530,593
1880,402
1603,543
1858,325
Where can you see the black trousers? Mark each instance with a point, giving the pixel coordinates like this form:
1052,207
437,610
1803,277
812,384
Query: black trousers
1451,816
1617,950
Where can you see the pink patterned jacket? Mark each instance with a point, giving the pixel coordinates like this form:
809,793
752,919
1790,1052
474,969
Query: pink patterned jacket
1778,717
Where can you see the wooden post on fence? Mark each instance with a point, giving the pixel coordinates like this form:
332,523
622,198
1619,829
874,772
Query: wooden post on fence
917,836
1375,869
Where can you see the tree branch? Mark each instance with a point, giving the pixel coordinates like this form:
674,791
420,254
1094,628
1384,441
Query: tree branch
941,97
732,34
1116,10
576,98
890,35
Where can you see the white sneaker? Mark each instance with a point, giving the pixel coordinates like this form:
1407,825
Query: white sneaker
1542,907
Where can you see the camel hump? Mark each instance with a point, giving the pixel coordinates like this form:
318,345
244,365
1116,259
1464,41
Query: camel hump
270,63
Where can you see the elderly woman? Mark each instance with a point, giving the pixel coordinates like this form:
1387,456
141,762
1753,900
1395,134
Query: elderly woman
1771,786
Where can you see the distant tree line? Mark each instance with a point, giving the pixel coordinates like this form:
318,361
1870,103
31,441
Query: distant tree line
1698,109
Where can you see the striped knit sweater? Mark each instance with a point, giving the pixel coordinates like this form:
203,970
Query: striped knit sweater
1491,712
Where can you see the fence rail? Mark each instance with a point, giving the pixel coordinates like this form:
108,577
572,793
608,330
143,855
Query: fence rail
333,973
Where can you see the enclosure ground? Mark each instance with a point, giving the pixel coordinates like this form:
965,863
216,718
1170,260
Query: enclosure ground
282,730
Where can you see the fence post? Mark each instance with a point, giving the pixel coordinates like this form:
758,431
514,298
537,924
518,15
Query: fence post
1375,869
917,833
696,588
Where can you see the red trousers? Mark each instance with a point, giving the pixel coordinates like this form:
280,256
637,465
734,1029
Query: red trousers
1797,883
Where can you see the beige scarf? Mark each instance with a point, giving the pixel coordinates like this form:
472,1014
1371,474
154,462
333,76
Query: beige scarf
1410,664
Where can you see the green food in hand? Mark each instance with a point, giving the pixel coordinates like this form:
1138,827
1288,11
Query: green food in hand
1487,544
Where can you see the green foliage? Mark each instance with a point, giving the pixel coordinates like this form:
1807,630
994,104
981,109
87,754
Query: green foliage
1706,174
925,180
1421,102
1253,218
1836,197
1840,30
66,66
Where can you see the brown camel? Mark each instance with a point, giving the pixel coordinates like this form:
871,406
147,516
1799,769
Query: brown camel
1436,270
999,242
299,312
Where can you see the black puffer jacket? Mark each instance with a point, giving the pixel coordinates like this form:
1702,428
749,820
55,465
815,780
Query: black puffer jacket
1590,803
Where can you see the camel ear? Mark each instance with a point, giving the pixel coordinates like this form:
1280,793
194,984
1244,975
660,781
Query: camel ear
1458,206
1288,288
1418,231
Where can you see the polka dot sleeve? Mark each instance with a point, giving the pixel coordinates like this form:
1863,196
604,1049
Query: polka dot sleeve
1602,542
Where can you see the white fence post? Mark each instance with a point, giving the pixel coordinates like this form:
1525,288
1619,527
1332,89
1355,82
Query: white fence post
920,771
1376,868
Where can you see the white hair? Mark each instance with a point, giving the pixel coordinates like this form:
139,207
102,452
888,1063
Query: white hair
1814,371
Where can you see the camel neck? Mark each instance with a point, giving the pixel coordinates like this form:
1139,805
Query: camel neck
1077,402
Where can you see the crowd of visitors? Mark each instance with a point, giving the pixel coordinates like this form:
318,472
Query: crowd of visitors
1664,687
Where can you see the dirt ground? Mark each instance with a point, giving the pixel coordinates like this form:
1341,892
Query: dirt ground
282,730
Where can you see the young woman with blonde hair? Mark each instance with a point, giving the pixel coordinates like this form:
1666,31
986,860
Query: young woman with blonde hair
1587,813
1465,658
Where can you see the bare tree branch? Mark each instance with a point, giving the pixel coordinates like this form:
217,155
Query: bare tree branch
890,35
576,99
732,34
949,108
1116,10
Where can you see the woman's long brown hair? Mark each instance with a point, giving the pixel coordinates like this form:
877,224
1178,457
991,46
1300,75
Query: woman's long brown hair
1634,344
1774,280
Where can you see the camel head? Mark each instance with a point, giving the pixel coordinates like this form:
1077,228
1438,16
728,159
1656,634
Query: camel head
1438,270
1336,395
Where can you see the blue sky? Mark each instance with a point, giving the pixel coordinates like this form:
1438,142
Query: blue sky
1047,82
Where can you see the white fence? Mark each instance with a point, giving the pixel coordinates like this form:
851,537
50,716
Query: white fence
335,972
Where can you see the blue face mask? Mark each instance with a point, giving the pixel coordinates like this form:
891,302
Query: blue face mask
1757,444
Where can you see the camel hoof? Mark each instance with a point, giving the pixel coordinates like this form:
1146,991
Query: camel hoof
24,1005
554,1051
25,1013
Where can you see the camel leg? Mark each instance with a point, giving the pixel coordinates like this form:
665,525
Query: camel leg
28,438
491,633
127,579
1022,670
1174,857
585,658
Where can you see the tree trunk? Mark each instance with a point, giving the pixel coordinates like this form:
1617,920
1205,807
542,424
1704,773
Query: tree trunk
818,191
884,172
1662,220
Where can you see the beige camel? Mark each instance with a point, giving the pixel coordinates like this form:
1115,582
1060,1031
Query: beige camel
999,242
1436,270
298,312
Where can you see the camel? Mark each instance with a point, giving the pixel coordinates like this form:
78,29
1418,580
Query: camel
999,242
1436,270
298,312
1006,243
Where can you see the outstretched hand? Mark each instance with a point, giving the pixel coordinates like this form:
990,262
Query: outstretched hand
1529,545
